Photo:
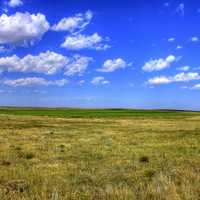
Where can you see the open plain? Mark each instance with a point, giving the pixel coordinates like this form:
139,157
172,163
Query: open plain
61,154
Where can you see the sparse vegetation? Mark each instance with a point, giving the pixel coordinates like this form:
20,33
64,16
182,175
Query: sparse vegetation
29,155
129,156
144,159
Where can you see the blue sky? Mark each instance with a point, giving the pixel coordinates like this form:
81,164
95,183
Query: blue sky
84,53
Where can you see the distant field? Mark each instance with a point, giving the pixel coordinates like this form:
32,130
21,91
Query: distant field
74,154
95,113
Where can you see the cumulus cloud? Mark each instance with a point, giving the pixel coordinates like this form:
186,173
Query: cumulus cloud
196,87
179,47
81,82
185,77
194,39
158,64
48,63
33,81
15,3
159,80
77,65
75,40
184,68
99,80
75,23
79,41
111,65
171,39
181,77
22,28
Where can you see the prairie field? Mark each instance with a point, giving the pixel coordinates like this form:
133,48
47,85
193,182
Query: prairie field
88,154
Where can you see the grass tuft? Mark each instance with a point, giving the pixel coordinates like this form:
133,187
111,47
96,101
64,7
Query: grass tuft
29,155
144,159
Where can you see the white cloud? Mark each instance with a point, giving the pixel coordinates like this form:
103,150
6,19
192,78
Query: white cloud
79,41
194,39
159,80
185,77
171,39
179,47
47,63
15,3
77,65
99,80
181,9
184,68
33,81
111,65
159,64
75,23
196,87
22,28
81,82
181,77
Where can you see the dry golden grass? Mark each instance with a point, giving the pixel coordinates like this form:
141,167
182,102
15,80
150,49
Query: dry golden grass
92,159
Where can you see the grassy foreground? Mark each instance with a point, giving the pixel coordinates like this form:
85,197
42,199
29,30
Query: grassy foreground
68,154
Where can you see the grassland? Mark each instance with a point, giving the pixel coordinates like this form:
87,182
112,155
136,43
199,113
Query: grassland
61,154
